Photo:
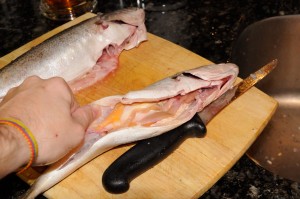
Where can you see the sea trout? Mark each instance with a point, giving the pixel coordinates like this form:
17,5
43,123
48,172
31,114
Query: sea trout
83,54
142,114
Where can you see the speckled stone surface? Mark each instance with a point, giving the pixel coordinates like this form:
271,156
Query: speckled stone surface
206,27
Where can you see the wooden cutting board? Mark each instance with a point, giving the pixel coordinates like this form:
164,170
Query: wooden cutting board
198,163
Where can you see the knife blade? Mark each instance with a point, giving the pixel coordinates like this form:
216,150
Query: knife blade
146,153
229,96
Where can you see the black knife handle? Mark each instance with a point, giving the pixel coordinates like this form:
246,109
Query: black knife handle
147,153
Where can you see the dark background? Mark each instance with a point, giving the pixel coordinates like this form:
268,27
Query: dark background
208,28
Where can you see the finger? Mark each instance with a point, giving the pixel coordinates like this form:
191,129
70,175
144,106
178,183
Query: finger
30,81
9,94
74,105
85,115
33,78
62,88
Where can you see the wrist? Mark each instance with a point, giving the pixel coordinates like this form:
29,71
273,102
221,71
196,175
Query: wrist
15,152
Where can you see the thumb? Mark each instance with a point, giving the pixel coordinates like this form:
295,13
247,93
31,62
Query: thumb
85,115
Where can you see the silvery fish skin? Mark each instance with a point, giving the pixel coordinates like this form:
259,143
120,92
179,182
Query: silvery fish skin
170,103
83,54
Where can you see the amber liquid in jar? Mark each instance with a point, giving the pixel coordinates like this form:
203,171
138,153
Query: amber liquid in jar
64,3
66,9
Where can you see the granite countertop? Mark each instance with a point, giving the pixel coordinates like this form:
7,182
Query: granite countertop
208,28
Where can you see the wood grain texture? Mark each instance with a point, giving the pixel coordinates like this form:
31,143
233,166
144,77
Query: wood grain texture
198,163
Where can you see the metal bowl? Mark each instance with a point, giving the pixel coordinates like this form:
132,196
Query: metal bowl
277,149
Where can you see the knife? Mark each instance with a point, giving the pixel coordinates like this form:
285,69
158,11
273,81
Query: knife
146,153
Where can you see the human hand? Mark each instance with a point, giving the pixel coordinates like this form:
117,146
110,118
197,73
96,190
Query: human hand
49,110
